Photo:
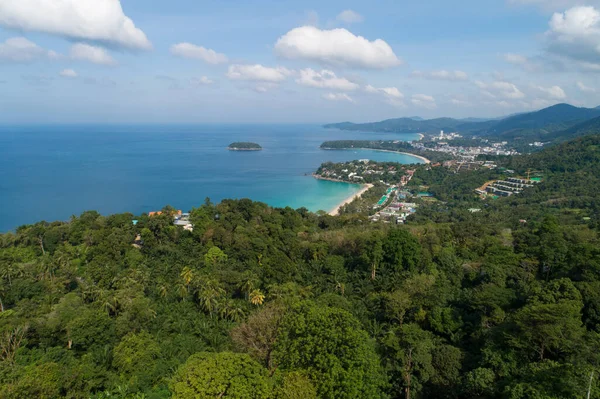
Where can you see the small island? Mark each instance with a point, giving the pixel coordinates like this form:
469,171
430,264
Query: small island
244,146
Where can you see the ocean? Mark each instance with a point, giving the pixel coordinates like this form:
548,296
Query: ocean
52,172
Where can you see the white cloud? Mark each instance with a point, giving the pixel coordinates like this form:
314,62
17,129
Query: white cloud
94,54
258,73
500,89
96,20
452,76
336,47
324,80
19,49
68,73
338,97
391,94
522,61
349,17
553,5
554,92
581,86
575,34
188,50
423,101
202,81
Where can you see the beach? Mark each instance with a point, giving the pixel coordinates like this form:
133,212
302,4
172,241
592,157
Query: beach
348,200
422,158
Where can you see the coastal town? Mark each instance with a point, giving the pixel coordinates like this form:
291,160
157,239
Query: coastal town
388,195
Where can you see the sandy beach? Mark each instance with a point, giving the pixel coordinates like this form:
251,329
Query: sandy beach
425,160
348,200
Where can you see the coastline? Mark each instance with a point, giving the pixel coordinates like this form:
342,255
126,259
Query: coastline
425,160
335,211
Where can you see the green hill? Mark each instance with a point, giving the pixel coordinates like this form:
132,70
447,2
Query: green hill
261,302
531,126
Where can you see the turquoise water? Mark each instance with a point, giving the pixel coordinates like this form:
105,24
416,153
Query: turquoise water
53,172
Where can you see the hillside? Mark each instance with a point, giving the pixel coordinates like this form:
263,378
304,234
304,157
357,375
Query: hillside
274,303
528,127
410,125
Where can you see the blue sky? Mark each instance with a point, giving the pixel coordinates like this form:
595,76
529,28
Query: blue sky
184,61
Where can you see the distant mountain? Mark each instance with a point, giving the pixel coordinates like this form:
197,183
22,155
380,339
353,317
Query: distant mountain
530,126
409,125
540,123
416,118
586,128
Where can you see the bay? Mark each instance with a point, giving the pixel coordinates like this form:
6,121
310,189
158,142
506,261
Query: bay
52,172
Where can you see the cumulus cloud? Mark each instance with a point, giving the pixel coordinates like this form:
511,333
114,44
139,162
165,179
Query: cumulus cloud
391,94
188,50
93,54
423,101
552,5
500,89
586,89
324,79
19,49
96,20
338,47
575,34
258,73
338,97
68,73
554,92
349,17
523,62
452,76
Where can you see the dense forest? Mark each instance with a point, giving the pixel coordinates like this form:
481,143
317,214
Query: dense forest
258,302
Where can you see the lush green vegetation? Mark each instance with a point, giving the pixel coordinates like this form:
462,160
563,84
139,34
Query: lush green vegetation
240,146
259,302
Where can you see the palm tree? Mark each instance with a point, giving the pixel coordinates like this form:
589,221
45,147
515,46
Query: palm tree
257,297
182,290
187,274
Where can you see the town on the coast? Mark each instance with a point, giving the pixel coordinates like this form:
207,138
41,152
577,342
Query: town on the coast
392,193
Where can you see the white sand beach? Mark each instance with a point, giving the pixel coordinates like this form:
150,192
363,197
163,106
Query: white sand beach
348,200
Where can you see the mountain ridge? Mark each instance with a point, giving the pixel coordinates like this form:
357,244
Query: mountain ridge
523,126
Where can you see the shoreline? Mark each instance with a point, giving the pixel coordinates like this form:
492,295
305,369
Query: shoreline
336,211
422,158
365,187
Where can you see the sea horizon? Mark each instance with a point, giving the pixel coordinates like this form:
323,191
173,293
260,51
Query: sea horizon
53,171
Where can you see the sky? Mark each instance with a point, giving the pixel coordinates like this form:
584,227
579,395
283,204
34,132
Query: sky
282,61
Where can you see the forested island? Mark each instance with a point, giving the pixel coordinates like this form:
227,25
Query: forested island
471,298
244,146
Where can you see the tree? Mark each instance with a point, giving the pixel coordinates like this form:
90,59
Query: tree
551,323
215,256
409,356
136,354
295,385
220,375
336,353
258,334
